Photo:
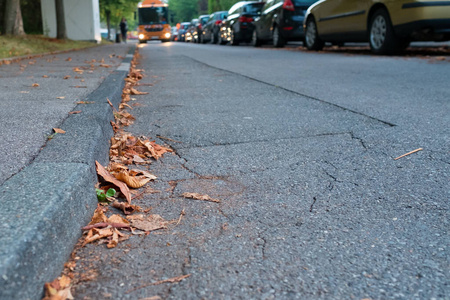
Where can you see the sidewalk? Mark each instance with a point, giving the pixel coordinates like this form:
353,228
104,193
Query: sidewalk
47,180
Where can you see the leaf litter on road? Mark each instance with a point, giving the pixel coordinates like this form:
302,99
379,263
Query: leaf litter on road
197,196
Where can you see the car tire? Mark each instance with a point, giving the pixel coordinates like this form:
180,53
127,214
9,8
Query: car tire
312,39
213,38
220,40
233,40
202,39
382,37
256,42
278,40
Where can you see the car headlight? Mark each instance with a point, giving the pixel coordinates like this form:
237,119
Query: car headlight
141,36
167,35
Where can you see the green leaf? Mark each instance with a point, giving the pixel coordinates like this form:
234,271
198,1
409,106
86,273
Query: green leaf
101,195
110,193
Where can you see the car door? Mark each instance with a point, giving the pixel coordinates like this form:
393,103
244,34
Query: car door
268,14
342,16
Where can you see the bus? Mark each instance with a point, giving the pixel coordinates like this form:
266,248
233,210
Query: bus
153,21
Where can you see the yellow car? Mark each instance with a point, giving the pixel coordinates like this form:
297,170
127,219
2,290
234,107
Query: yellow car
388,25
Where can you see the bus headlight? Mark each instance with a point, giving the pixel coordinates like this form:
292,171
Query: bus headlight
141,36
167,35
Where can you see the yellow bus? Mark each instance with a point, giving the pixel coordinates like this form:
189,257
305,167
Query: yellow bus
153,21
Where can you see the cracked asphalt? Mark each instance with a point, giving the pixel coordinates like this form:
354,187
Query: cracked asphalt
300,149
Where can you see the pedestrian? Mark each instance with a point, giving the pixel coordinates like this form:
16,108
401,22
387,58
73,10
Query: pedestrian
124,29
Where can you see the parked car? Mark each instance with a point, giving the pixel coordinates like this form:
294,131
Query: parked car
389,26
190,31
280,21
202,20
238,26
182,31
174,36
211,29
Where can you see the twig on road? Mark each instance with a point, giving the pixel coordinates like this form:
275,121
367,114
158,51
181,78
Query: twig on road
170,280
406,154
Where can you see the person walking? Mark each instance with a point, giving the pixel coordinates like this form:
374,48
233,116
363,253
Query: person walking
124,29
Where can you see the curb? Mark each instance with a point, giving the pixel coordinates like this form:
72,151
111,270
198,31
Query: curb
45,205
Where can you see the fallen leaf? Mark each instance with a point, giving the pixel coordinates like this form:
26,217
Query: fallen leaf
440,58
98,217
58,289
118,219
132,181
85,102
60,97
80,86
35,85
75,112
125,207
149,223
44,76
136,92
58,130
105,66
66,77
136,172
110,178
69,59
115,239
96,234
198,196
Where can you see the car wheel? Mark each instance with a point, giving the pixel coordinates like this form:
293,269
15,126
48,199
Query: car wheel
233,39
256,42
278,40
202,39
382,38
220,40
312,40
213,38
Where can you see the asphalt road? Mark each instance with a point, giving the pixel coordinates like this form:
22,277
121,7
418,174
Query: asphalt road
300,149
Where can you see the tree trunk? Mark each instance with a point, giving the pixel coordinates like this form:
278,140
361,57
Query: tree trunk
61,32
13,23
108,23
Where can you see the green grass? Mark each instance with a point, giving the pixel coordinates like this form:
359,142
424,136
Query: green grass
11,46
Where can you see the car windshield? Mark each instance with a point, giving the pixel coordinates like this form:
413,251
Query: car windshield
152,15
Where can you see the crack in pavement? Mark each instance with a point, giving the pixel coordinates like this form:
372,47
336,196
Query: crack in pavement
295,92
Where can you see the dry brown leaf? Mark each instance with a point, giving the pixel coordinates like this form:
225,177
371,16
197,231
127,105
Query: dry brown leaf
75,112
105,66
96,234
198,196
136,172
136,92
98,217
131,181
69,59
44,76
115,239
66,77
149,223
60,97
58,130
35,85
58,289
126,208
108,177
118,219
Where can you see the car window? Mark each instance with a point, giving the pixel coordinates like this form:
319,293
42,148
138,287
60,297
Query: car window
253,8
304,2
